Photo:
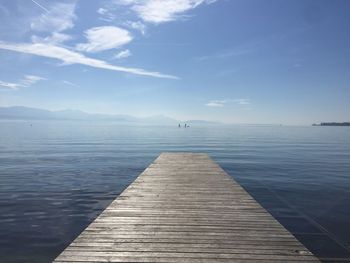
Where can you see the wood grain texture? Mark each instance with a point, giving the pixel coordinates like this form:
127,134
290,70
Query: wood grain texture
185,208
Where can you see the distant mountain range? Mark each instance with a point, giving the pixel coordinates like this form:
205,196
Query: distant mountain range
26,113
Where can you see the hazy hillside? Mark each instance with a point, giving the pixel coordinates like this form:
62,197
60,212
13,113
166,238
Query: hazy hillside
26,113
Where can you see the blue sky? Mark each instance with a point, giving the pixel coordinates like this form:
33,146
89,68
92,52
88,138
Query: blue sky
235,61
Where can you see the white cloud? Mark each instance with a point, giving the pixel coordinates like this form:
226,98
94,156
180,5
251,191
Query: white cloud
60,17
55,38
70,83
108,12
160,11
30,80
102,11
216,103
123,54
242,101
222,103
71,57
10,85
104,38
57,18
27,81
128,2
138,25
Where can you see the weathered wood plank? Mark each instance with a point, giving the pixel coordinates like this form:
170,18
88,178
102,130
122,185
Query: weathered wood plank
185,208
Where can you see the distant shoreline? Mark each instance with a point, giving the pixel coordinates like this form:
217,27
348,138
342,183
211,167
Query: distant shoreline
332,124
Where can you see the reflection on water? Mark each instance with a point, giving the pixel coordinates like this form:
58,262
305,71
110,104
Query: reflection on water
56,177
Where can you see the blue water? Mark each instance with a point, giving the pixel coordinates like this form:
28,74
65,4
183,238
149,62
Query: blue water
57,176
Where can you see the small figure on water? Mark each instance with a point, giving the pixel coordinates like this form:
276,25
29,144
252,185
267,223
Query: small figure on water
179,125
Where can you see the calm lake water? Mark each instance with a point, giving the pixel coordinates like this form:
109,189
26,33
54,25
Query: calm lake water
57,176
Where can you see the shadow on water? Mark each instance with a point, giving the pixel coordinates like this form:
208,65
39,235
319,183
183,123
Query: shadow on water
56,177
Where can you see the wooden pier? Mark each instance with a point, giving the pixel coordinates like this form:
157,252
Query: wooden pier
185,208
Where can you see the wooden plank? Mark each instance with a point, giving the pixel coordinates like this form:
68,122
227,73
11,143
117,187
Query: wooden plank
185,208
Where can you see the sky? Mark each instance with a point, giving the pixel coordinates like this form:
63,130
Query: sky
233,61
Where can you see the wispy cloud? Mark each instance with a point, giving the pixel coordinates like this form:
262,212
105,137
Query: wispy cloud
242,101
147,11
160,11
40,6
71,57
216,103
123,54
240,51
102,11
104,38
27,81
60,17
109,11
54,38
222,103
30,80
137,25
10,85
56,18
70,83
